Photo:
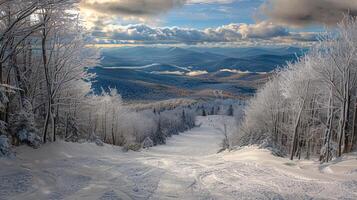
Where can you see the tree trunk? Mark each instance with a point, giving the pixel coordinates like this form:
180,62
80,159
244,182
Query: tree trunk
308,149
299,147
354,128
346,146
113,136
344,116
2,112
295,135
296,127
47,78
53,120
66,127
7,107
328,131
19,82
47,120
276,121
104,126
1,73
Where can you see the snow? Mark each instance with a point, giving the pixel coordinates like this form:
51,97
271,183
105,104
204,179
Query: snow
187,167
241,72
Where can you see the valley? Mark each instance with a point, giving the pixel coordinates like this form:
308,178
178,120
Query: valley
178,99
160,73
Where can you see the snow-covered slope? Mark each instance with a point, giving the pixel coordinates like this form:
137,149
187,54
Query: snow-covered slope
186,168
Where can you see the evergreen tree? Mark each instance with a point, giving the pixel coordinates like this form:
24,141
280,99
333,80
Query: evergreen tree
159,137
204,113
230,111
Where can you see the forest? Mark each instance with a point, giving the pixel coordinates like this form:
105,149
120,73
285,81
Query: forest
309,108
45,89
43,82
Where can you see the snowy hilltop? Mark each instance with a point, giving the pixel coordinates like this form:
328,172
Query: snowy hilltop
98,102
188,167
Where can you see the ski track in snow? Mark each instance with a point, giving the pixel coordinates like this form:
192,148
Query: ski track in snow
187,167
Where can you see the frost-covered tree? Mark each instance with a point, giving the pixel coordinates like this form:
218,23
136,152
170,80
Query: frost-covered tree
42,60
309,106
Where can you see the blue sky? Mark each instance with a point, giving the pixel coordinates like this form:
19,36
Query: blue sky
205,15
211,22
213,15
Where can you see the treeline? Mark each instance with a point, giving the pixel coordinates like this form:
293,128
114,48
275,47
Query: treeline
105,116
230,107
309,108
161,105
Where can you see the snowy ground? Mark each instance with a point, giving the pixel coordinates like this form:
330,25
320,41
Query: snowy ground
186,168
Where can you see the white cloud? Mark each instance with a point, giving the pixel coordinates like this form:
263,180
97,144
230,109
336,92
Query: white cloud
262,30
140,33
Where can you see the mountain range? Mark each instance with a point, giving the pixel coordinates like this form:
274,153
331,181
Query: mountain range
153,73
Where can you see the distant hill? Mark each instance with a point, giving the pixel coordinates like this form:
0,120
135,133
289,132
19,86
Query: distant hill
139,56
243,52
210,59
158,73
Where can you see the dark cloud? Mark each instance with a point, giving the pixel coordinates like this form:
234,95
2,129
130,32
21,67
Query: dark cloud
306,12
131,7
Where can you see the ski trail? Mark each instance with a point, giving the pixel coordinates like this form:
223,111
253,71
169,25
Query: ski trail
187,167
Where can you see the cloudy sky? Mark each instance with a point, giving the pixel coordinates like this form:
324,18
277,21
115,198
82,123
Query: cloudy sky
212,22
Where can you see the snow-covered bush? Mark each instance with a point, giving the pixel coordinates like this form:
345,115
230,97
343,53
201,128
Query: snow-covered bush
95,139
3,98
29,138
5,147
22,126
147,143
99,142
132,147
